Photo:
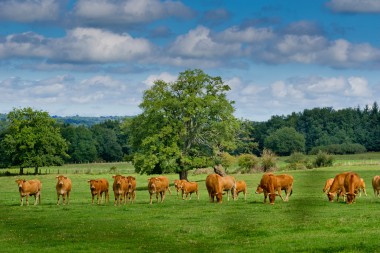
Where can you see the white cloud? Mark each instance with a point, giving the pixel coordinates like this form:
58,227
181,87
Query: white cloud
355,6
358,87
166,77
108,12
247,35
325,85
29,10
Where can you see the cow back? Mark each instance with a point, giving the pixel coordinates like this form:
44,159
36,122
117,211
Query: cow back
29,186
376,182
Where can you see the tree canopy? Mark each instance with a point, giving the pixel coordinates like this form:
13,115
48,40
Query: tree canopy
33,139
182,123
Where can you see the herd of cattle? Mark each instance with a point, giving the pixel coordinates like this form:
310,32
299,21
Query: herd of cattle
346,185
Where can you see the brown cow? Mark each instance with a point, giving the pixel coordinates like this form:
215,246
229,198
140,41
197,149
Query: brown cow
352,184
177,185
376,185
328,185
120,187
268,185
337,187
63,188
98,187
214,185
29,188
158,186
188,188
283,182
229,186
131,190
362,187
241,186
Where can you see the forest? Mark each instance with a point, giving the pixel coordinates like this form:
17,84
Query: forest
105,139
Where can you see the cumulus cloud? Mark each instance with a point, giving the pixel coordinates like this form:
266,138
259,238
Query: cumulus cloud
111,12
79,45
358,87
30,10
354,6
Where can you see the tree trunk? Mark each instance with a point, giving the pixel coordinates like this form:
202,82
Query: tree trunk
35,170
21,171
183,175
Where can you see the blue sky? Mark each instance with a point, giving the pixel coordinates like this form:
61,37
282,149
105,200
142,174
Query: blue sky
96,57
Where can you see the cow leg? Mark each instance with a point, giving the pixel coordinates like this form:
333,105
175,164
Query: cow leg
150,197
163,196
68,197
265,196
279,194
27,199
245,195
197,194
64,198
92,198
99,200
58,195
157,196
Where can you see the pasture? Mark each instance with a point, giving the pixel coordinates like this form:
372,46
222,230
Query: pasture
307,223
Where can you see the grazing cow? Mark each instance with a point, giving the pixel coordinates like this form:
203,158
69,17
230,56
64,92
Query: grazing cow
337,187
29,188
362,187
283,182
229,186
241,186
98,187
131,190
63,188
376,185
328,185
177,185
352,184
268,185
189,188
214,185
120,187
158,186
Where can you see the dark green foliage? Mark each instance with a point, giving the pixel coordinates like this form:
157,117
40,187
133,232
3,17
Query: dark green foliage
247,162
107,145
285,141
323,159
339,149
298,160
182,121
33,139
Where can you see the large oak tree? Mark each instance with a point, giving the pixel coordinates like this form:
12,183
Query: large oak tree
33,139
183,124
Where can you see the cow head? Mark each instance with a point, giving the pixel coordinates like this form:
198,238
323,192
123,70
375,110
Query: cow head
331,196
219,197
152,185
259,190
118,179
272,197
350,197
93,184
20,182
60,179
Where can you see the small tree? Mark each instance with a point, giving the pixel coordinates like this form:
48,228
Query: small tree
34,140
227,160
285,141
268,160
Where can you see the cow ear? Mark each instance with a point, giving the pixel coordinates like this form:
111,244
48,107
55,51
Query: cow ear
88,181
24,180
56,176
65,177
133,178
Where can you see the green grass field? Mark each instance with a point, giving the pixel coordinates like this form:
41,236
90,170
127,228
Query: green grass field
307,223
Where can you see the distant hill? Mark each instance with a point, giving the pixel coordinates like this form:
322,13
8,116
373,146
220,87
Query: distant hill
87,121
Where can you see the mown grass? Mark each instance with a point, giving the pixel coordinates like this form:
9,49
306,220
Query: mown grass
307,223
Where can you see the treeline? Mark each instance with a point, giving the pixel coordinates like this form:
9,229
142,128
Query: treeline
350,130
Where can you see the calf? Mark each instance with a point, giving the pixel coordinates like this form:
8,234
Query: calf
352,184
337,187
177,185
189,188
29,188
120,187
131,190
328,185
158,186
98,187
241,186
229,186
376,185
63,188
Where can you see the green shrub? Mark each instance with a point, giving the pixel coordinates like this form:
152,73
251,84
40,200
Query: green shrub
298,161
247,162
323,160
227,160
268,160
340,149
